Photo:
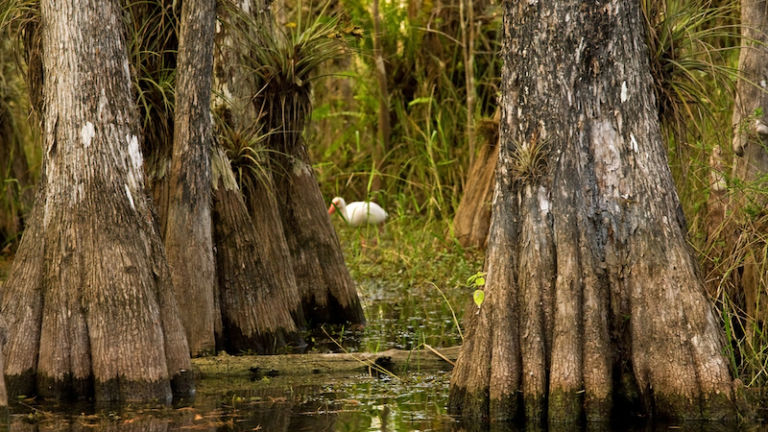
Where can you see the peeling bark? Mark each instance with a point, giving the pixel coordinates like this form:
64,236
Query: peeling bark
91,264
589,273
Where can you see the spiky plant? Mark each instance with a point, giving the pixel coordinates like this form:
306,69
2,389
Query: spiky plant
247,155
283,62
152,27
691,46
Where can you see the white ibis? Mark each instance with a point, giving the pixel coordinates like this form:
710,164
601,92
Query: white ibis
358,213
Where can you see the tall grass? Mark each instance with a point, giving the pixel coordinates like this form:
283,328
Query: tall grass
20,152
423,169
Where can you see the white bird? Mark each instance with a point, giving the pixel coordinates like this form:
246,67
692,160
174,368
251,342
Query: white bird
358,213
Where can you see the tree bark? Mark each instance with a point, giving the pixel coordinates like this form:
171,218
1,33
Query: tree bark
253,260
593,299
473,216
91,264
188,235
258,306
750,164
327,291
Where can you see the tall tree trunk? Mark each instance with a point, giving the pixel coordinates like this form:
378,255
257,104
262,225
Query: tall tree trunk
188,236
91,264
592,295
327,291
260,303
750,165
473,216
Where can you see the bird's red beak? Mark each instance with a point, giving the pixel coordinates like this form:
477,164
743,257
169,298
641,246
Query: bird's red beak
331,209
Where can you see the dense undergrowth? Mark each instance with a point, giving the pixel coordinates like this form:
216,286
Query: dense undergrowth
419,176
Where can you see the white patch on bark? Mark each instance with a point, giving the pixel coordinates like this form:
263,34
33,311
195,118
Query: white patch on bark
78,193
135,163
543,200
87,133
762,83
130,196
103,104
135,152
761,129
633,141
127,69
603,140
624,96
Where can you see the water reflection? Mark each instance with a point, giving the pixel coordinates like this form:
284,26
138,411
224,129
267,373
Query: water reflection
283,415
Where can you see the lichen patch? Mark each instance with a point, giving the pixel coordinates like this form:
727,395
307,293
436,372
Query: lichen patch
87,133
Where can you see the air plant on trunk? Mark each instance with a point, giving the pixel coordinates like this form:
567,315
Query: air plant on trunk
283,63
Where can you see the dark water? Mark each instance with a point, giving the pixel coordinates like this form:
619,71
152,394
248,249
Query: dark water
356,403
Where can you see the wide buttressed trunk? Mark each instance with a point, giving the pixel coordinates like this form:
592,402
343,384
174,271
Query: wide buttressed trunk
259,298
593,299
89,304
188,235
257,307
327,291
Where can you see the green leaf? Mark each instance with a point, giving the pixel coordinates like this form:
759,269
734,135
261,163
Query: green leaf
478,296
479,282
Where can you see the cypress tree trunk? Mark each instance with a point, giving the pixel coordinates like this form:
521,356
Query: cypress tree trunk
257,305
260,304
188,236
473,216
593,298
327,291
91,265
750,143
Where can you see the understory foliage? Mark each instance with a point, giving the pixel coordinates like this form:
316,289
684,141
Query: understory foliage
693,51
20,153
424,168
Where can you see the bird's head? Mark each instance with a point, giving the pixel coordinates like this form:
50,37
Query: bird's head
336,204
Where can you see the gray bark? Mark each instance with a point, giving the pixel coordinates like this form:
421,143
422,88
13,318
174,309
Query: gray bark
593,298
188,235
91,264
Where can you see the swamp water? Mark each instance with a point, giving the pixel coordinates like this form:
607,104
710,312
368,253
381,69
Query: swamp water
314,392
